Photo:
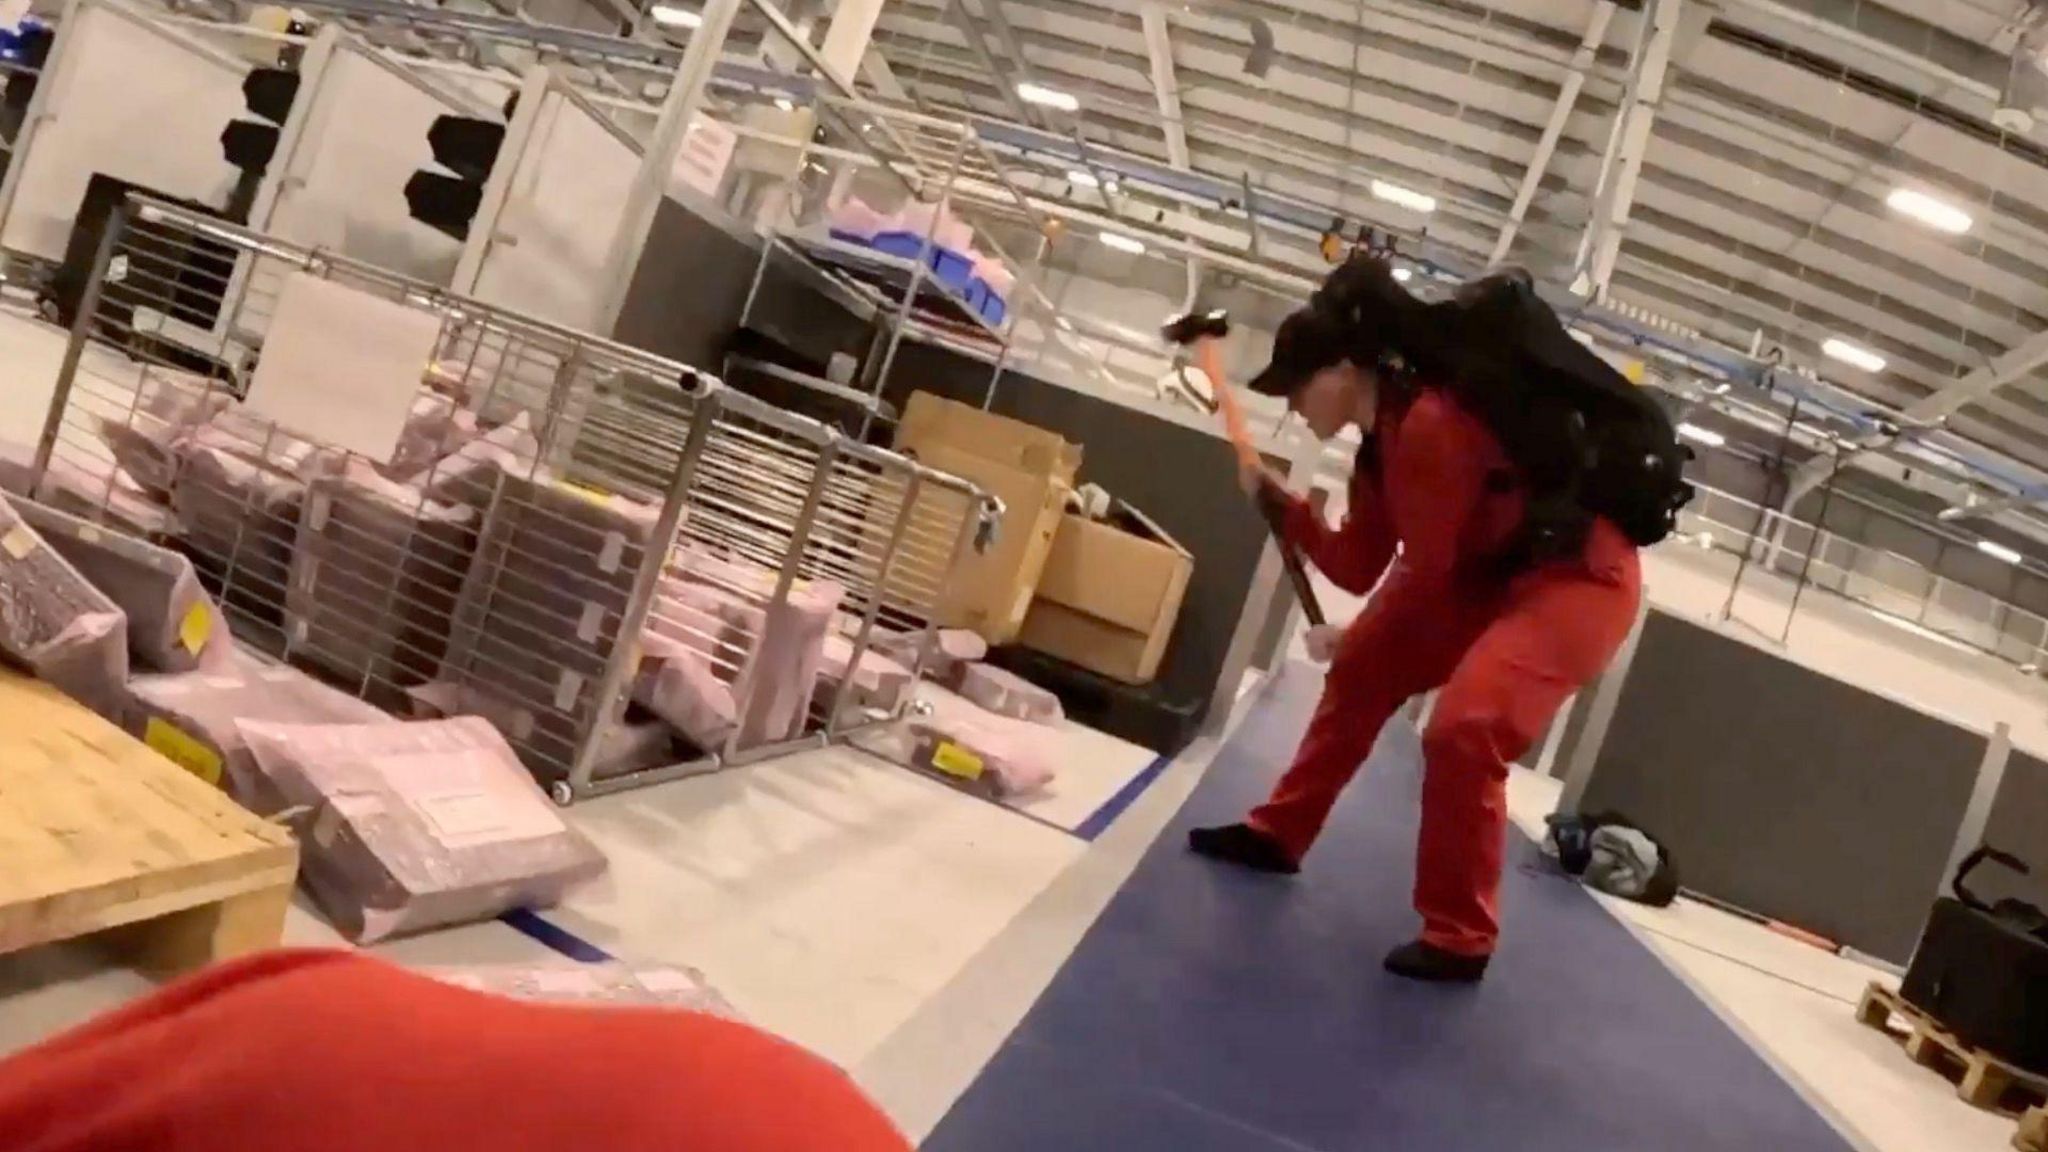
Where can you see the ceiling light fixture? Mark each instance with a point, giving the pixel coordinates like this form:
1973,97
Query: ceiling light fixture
1699,435
1939,215
1404,275
1854,355
784,103
1405,197
1999,551
1123,243
1048,97
670,16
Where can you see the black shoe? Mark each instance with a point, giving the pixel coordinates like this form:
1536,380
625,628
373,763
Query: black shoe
1245,846
1433,965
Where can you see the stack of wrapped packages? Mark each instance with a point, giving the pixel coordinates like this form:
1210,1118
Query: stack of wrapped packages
989,729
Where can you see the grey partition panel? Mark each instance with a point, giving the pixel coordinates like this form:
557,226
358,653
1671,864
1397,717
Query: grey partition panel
1785,792
2019,825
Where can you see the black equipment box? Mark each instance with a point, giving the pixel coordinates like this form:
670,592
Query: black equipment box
1142,715
1981,972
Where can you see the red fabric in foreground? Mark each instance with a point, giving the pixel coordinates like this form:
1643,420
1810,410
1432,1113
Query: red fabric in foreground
313,1051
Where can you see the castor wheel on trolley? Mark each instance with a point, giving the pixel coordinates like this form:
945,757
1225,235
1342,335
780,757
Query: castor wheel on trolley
561,793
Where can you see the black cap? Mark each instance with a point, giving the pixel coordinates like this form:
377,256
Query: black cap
1307,342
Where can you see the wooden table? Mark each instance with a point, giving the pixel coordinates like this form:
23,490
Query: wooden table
100,836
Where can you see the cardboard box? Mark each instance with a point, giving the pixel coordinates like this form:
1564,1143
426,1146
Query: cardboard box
929,419
1030,470
1109,596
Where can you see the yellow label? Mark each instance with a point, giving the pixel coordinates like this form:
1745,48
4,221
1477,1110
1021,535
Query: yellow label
594,495
180,748
954,760
195,629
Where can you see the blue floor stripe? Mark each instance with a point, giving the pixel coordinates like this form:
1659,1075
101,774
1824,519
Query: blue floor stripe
1099,820
556,937
1212,1009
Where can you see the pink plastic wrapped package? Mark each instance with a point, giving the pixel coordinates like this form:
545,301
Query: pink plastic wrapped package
781,676
173,625
239,487
628,745
541,607
880,682
679,684
437,426
168,408
468,475
952,649
191,718
1007,694
1000,756
409,826
103,491
375,576
55,623
596,985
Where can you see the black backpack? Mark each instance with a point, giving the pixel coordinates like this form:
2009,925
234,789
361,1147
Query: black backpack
1585,440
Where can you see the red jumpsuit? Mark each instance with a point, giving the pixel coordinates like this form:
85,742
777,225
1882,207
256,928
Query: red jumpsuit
1505,652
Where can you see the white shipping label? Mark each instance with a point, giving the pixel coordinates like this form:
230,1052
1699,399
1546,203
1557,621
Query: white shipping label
19,541
340,366
470,798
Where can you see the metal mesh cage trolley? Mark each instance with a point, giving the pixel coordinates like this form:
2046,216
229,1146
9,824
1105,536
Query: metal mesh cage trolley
632,571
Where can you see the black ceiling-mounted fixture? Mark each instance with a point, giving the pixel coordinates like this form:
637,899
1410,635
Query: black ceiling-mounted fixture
447,199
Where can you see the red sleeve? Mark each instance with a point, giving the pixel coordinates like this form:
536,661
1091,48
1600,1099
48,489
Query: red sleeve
1438,470
1356,552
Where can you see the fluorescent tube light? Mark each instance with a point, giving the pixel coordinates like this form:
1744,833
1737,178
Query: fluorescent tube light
1699,435
1853,355
1048,97
1123,243
1998,551
785,104
670,16
1404,274
1405,197
1939,215
1082,178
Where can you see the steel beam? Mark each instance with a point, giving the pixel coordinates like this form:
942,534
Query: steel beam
1623,164
1553,130
1166,88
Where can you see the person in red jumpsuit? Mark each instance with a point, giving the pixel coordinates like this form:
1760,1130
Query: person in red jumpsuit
328,1051
1435,508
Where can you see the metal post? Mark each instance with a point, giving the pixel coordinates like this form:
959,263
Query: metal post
1983,794
792,564
483,228
650,187
625,655
1820,523
911,492
917,278
40,111
118,222
1601,705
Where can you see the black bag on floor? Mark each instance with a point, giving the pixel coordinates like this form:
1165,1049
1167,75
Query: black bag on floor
1981,970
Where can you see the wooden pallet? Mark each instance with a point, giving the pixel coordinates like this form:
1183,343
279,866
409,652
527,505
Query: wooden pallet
2033,1132
1981,1078
102,837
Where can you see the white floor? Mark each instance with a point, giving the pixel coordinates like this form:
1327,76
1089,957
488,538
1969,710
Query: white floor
902,929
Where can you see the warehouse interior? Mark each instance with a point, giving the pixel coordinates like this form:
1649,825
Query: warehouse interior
687,505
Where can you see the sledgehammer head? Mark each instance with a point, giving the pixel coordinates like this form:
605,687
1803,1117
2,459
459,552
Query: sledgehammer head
1190,327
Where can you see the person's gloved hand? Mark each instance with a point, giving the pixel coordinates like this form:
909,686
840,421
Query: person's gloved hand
1322,641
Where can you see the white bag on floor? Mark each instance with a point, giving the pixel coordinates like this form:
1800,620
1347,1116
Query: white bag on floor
410,826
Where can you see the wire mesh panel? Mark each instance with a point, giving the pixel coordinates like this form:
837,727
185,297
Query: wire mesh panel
631,571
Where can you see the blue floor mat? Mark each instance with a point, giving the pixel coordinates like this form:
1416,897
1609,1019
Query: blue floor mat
1214,1009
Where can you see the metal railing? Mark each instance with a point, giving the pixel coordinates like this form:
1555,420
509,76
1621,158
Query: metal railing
630,569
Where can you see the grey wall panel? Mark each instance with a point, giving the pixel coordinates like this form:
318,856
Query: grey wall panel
2019,824
1783,791
688,288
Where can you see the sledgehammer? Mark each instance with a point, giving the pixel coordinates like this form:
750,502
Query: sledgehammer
1202,332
